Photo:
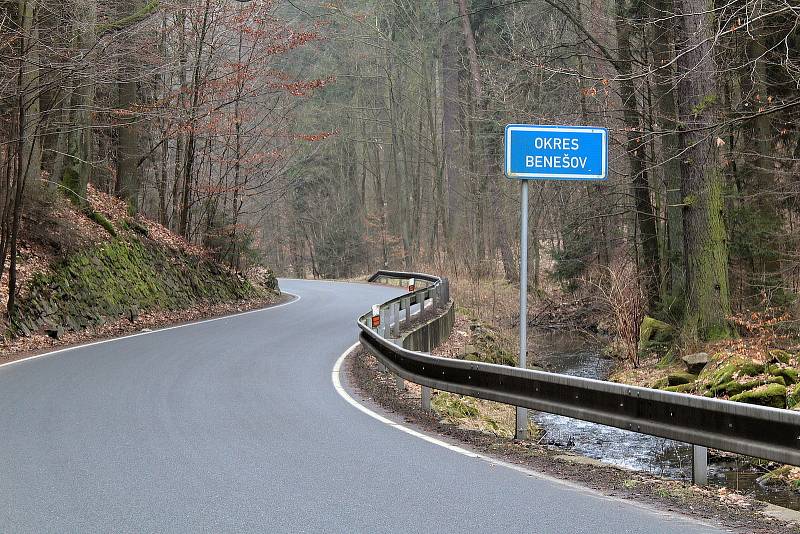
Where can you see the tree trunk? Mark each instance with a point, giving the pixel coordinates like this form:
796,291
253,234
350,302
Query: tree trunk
127,141
662,50
448,64
188,161
77,167
635,147
705,245
761,182
29,86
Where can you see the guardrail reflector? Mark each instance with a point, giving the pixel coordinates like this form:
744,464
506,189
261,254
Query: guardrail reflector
376,315
411,285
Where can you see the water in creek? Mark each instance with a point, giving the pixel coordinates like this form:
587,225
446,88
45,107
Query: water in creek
575,355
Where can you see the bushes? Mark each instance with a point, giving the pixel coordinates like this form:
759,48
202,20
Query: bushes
625,300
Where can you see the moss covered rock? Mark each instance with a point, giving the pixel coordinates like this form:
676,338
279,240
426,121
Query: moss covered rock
733,388
777,380
750,368
789,374
773,395
660,383
654,331
122,278
677,379
682,388
732,369
793,398
780,355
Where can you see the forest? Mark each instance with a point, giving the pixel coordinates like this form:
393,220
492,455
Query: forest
329,139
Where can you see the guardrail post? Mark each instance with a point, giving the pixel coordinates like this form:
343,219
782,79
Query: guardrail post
699,465
382,327
406,304
401,384
394,320
426,398
381,332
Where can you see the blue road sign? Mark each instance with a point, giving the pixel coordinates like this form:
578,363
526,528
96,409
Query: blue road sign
556,152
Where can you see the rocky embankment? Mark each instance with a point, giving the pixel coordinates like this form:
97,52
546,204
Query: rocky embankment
122,278
773,383
83,270
771,379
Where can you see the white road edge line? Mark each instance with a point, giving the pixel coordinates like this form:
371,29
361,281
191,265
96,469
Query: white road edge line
337,384
296,298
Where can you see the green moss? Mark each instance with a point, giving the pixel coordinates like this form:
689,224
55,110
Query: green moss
773,395
777,380
732,388
116,277
130,20
71,184
660,383
677,379
489,346
750,368
780,355
789,374
101,219
654,331
717,332
133,225
793,398
682,388
708,304
707,101
735,387
722,375
735,367
711,367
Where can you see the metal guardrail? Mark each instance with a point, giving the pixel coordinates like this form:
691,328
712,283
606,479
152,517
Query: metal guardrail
428,291
752,430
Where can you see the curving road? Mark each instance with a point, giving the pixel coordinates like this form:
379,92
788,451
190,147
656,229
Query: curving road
234,425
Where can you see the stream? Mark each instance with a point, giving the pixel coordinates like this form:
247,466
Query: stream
577,356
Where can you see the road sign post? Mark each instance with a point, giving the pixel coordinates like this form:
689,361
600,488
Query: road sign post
535,152
522,413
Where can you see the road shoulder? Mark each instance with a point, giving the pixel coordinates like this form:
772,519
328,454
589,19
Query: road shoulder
42,345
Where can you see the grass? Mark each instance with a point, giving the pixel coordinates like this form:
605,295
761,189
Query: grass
478,414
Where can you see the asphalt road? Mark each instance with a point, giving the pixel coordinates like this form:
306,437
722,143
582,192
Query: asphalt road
234,425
